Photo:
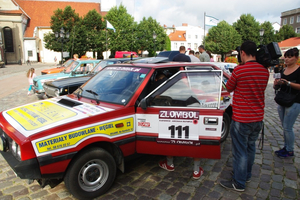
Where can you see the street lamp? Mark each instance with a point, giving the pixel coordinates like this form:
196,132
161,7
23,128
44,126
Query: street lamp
63,37
261,33
154,38
20,62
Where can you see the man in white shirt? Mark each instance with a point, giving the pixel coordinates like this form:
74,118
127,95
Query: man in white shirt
193,57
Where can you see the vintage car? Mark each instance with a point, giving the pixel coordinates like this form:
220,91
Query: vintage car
57,69
76,69
82,138
69,85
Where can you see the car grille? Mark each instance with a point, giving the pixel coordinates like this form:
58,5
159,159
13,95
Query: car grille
50,91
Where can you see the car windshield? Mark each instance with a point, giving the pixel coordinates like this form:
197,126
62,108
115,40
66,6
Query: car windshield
67,63
114,84
103,64
71,67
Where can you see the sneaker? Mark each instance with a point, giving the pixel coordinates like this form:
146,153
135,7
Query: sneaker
247,181
231,185
197,175
280,151
163,164
286,154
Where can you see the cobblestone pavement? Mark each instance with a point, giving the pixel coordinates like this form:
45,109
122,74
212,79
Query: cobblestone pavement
273,178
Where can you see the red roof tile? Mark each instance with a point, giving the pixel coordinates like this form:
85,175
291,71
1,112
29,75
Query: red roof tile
40,12
178,36
291,42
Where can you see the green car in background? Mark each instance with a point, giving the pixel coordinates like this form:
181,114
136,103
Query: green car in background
76,69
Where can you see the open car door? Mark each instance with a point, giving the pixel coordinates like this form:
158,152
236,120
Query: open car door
182,117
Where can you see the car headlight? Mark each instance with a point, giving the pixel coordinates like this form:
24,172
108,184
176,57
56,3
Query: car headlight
16,151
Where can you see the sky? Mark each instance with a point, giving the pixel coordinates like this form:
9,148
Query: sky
176,12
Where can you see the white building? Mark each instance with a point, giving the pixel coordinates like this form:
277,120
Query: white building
186,35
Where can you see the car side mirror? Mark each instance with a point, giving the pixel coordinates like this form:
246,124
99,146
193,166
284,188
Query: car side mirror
143,104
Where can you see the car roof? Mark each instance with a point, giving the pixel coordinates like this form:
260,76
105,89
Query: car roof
169,64
151,60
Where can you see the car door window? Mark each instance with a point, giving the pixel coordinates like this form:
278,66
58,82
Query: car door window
197,88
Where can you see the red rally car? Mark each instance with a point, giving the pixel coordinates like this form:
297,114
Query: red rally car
176,109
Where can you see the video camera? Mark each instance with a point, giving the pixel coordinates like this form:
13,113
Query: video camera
266,55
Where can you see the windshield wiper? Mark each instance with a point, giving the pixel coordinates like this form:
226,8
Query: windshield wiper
94,93
78,95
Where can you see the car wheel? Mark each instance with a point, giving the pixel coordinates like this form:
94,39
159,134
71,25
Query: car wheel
225,127
90,174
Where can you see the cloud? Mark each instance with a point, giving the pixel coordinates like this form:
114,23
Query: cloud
176,12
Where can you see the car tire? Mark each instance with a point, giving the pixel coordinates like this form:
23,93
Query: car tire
90,174
225,127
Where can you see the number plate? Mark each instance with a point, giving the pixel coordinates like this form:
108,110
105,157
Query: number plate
182,125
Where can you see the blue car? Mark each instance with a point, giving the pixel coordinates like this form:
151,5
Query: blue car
76,69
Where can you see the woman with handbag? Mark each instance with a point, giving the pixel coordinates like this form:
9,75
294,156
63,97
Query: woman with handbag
290,83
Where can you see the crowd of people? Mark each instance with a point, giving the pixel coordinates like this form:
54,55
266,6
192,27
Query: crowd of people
199,56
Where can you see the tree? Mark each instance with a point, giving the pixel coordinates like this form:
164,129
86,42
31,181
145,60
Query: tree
123,38
94,26
248,28
68,20
285,32
145,31
269,35
222,39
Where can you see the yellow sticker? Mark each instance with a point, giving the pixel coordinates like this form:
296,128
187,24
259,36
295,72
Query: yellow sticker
40,114
70,139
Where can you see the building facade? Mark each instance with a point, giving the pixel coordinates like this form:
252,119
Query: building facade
291,17
186,35
23,24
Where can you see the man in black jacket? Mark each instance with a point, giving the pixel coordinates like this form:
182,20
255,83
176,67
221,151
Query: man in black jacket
182,57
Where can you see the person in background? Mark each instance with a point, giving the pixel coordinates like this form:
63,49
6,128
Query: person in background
204,57
181,57
197,54
75,56
193,57
248,81
211,57
30,75
55,60
290,77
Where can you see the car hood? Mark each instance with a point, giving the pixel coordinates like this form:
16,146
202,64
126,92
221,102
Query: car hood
42,115
68,81
51,76
53,69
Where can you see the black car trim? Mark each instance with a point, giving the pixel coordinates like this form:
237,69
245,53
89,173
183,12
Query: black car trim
125,141
49,159
153,139
27,169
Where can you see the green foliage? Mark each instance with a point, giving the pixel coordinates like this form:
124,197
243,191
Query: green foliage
269,35
168,44
248,28
144,38
68,20
93,28
222,39
285,32
123,38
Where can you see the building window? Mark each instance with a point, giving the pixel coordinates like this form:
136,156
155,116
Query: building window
30,53
195,46
181,44
196,36
175,45
284,21
298,18
291,20
8,39
297,30
189,36
189,45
